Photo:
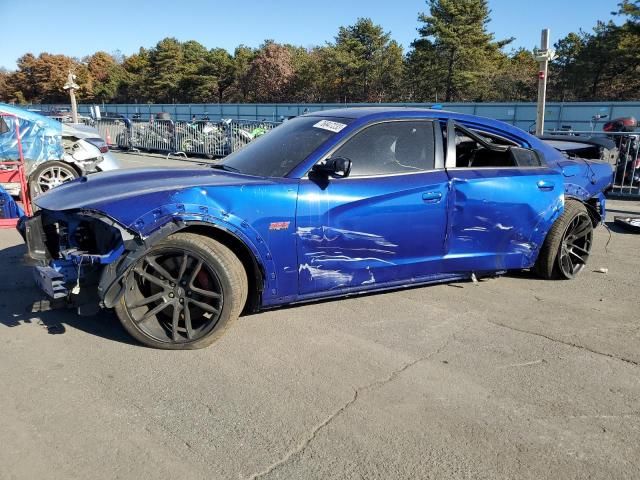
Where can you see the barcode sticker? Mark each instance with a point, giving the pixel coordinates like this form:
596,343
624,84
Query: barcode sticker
329,125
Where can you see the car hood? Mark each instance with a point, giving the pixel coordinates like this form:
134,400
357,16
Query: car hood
98,191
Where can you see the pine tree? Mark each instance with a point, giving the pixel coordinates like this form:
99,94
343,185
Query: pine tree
456,49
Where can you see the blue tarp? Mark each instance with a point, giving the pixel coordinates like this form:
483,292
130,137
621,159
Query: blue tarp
8,206
41,136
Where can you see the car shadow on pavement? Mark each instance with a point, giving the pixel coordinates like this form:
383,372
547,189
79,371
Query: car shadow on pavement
21,303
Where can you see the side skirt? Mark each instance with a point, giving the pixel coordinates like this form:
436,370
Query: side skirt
366,289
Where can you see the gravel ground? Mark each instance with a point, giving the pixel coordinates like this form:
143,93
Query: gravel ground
512,377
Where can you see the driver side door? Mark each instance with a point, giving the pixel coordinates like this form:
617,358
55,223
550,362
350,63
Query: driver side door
385,223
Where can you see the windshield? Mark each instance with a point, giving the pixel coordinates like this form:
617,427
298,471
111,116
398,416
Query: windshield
281,150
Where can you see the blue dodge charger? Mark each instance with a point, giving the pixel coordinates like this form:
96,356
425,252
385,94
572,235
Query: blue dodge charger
328,204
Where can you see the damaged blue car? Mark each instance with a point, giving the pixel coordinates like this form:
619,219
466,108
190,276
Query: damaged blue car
328,204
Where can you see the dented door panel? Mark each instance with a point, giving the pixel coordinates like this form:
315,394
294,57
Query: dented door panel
363,231
499,217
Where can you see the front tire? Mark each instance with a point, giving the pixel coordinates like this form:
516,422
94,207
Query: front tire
568,244
183,293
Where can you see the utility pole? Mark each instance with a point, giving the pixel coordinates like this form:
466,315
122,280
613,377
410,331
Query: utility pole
72,86
543,56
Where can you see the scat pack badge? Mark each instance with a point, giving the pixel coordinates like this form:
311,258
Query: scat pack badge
279,225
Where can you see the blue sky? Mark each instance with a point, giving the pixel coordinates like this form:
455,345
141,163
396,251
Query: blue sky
78,28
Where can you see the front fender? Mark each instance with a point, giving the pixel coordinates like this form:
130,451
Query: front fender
161,222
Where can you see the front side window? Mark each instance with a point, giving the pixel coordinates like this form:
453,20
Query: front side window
390,148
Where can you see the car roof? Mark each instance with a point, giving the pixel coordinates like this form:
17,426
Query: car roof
370,114
361,112
365,114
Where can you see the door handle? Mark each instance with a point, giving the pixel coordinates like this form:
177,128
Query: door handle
432,197
546,186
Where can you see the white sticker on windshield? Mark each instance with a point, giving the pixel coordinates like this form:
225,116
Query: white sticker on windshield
331,126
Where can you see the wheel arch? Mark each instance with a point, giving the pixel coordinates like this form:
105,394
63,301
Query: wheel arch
594,206
256,273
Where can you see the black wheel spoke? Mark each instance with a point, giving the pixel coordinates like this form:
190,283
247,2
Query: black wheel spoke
204,306
582,230
566,260
576,247
568,263
177,309
154,311
580,259
151,278
206,293
195,272
183,266
147,300
159,268
187,323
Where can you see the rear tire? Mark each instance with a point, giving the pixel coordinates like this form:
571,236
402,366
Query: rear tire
183,293
568,244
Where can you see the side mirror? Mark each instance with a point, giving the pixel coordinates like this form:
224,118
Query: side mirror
336,167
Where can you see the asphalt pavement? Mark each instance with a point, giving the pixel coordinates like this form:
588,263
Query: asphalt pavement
511,377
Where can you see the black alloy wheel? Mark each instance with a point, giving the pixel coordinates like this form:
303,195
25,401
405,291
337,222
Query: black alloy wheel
173,296
183,293
576,246
566,248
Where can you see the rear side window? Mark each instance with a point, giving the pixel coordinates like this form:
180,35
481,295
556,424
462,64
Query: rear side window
525,157
471,153
390,148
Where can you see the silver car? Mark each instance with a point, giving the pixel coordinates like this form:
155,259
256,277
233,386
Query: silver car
59,152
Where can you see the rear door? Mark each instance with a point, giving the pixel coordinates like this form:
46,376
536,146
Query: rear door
503,201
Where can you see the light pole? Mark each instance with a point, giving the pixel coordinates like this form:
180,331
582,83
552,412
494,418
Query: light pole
71,85
543,56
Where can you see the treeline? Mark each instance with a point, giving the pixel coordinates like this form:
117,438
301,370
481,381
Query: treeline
454,58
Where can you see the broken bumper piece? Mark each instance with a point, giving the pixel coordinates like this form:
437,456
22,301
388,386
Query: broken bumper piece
51,282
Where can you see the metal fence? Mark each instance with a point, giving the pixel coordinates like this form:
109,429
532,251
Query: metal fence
627,170
242,132
112,131
201,138
578,115
211,139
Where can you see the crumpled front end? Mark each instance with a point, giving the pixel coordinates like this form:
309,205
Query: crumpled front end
71,252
